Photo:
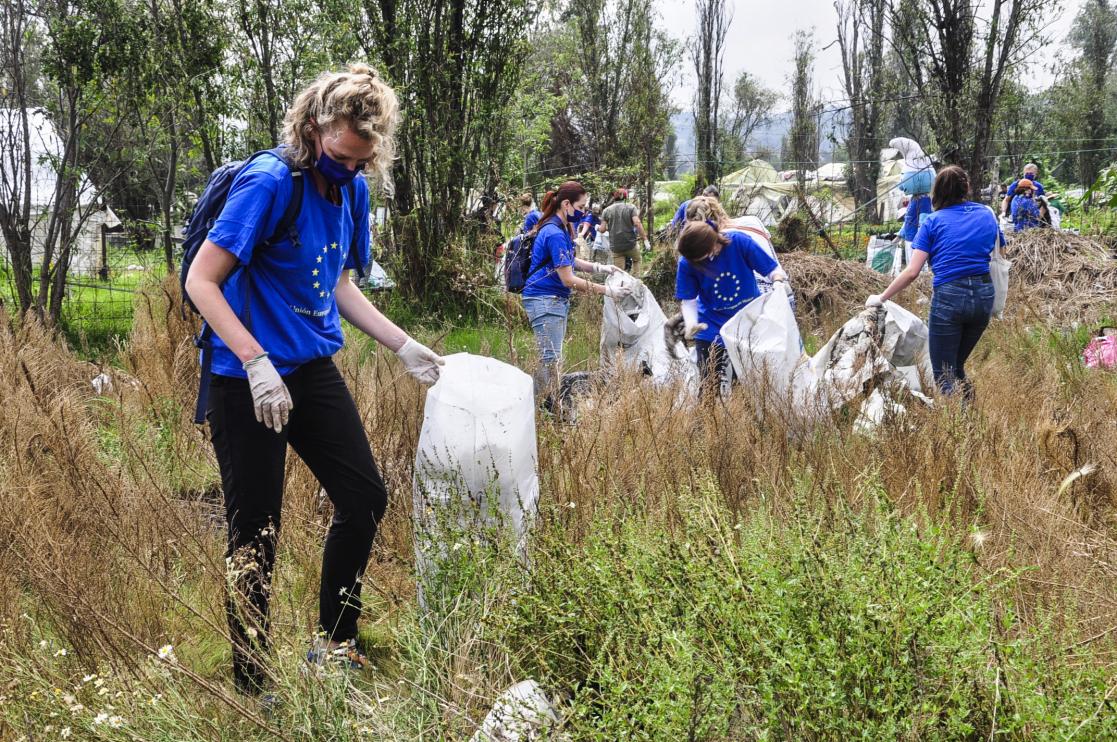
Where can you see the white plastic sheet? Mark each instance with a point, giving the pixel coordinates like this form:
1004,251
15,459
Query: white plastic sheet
476,461
765,347
634,325
523,713
999,267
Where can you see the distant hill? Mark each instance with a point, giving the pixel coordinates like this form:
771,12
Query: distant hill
767,138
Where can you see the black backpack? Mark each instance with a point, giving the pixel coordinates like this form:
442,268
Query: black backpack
517,262
202,218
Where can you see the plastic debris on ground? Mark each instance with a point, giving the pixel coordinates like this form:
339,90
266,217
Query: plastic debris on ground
523,713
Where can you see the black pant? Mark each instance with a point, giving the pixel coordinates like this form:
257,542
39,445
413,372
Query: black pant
713,367
325,430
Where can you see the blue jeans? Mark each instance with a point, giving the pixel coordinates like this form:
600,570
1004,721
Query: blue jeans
960,312
548,321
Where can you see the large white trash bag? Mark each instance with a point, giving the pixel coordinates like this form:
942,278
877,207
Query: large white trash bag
999,267
635,326
476,463
765,347
523,713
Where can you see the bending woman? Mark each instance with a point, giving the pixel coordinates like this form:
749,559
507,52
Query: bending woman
957,239
713,282
551,279
277,324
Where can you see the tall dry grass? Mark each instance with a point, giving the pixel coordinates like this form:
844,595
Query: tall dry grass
111,530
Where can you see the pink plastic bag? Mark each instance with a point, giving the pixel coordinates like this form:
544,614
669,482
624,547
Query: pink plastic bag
1101,353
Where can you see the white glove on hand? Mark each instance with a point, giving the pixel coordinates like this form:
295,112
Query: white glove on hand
874,301
270,397
647,245
692,330
617,293
607,269
786,286
420,361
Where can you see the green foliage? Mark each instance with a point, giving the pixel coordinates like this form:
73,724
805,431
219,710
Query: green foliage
843,624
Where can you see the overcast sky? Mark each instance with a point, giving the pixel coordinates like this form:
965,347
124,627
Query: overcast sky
759,41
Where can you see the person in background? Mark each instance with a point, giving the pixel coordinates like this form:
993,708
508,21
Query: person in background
621,221
551,279
276,314
587,228
530,213
679,220
957,239
1025,208
916,177
714,281
1031,174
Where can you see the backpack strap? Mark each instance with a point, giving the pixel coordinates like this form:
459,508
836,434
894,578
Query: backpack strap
355,209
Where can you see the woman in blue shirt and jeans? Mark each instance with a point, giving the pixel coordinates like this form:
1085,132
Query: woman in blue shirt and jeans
958,239
551,278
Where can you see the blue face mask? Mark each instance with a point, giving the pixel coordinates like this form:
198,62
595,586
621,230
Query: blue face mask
577,216
333,171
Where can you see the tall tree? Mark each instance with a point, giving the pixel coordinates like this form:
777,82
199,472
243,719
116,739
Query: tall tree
707,54
454,64
1094,35
967,49
861,29
750,107
802,138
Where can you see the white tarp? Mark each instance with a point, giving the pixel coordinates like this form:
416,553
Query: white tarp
633,330
476,461
523,713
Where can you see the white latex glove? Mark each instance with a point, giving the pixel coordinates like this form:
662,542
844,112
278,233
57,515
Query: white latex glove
691,324
270,398
420,361
617,293
782,282
608,269
874,301
647,245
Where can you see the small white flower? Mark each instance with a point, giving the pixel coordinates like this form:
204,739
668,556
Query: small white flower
87,678
167,653
65,733
251,632
978,538
571,504
98,682
116,722
101,718
60,652
43,644
77,708
68,699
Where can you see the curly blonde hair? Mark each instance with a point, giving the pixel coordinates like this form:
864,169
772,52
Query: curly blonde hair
702,208
358,98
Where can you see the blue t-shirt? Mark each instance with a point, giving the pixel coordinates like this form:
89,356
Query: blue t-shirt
1038,185
918,209
680,215
723,284
532,219
293,309
552,249
592,221
1025,213
958,241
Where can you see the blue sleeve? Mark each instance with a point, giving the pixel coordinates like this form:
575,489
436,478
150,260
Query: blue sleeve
1039,188
1012,188
531,220
754,254
364,244
686,282
925,237
253,208
680,215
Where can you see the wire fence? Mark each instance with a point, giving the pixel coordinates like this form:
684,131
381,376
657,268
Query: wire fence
108,266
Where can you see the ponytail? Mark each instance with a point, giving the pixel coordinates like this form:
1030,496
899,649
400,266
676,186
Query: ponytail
571,190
